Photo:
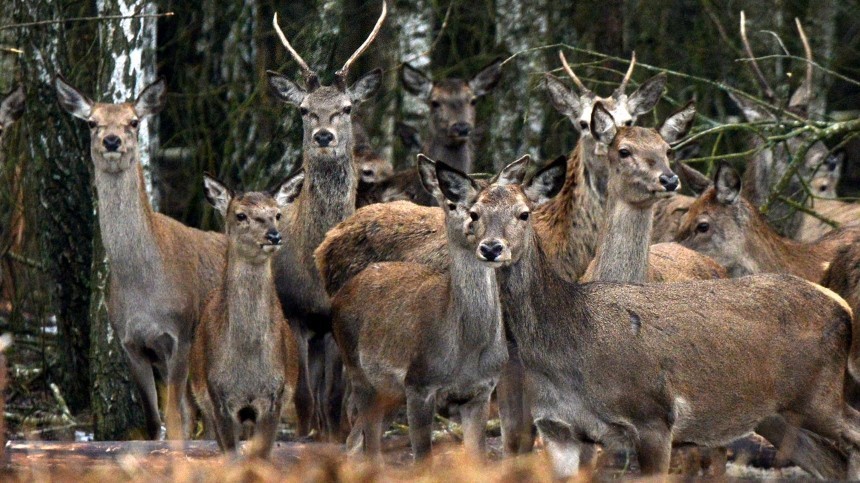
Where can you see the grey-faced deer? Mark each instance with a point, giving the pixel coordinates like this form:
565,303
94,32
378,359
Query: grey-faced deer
160,269
243,360
769,165
429,337
823,187
11,109
327,198
587,348
639,176
724,225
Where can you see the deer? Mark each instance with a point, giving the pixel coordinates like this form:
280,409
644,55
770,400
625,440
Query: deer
11,109
160,270
769,165
373,171
639,176
430,336
569,220
328,196
243,358
578,343
824,202
724,225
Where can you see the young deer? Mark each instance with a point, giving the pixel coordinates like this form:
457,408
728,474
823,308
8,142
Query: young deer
327,198
823,187
11,109
639,175
587,348
724,225
243,360
160,269
429,336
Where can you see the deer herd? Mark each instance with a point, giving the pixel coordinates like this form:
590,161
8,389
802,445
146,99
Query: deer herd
590,300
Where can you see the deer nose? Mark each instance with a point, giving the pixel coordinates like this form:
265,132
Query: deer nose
112,142
273,236
461,129
491,250
323,138
670,182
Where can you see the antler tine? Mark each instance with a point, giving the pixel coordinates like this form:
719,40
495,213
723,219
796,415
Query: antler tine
344,71
808,51
310,76
623,86
579,84
768,92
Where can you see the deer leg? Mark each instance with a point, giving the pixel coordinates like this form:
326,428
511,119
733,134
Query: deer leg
265,431
815,455
654,450
420,407
317,381
303,396
144,380
225,427
366,433
563,448
335,384
473,416
177,398
517,428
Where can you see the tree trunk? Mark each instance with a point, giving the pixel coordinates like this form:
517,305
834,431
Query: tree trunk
129,56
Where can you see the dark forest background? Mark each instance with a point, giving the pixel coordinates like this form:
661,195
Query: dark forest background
220,118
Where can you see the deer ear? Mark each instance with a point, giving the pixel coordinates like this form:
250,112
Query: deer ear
752,111
366,87
12,106
563,99
678,124
835,160
289,189
427,173
415,82
151,100
217,193
547,182
728,184
602,124
456,186
285,89
513,173
647,95
692,178
72,100
486,80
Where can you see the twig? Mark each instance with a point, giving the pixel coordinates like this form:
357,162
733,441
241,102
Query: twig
61,401
84,19
435,41
815,64
809,211
27,261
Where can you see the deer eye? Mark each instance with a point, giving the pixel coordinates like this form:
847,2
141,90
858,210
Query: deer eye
303,111
92,124
474,216
583,125
241,216
624,153
278,216
434,104
703,227
347,109
524,216
134,123
628,123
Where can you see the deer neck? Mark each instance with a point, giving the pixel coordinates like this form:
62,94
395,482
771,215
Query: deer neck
125,221
458,155
767,252
250,300
474,298
622,255
568,224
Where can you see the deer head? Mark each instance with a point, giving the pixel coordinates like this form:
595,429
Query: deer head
500,216
452,101
639,158
625,110
11,108
251,219
326,110
372,168
113,127
826,176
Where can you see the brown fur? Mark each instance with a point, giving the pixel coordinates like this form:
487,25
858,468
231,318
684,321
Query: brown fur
161,270
668,214
244,356
843,213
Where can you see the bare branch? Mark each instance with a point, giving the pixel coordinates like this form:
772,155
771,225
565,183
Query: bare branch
83,19
768,92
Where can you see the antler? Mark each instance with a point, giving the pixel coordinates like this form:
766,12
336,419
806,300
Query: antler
343,73
310,76
582,89
768,92
623,86
807,81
